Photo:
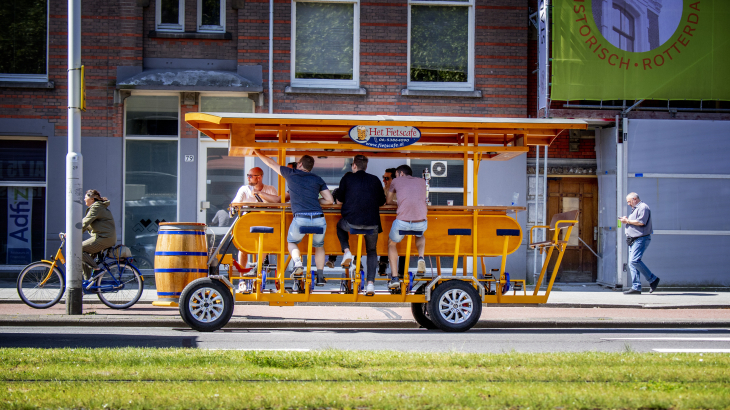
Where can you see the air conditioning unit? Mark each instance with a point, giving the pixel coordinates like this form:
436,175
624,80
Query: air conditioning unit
438,169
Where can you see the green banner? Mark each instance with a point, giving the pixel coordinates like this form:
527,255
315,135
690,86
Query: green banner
634,49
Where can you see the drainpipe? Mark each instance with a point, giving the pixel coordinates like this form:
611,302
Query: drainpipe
271,56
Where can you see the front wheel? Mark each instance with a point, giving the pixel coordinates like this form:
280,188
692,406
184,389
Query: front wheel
40,287
455,306
120,287
206,305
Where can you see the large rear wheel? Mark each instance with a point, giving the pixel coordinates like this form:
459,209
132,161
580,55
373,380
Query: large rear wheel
120,287
39,287
206,305
455,306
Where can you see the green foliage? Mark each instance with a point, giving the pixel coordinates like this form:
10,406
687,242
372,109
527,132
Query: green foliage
439,43
324,41
23,37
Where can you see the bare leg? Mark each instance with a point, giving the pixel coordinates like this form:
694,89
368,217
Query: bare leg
242,258
319,258
294,251
421,245
393,257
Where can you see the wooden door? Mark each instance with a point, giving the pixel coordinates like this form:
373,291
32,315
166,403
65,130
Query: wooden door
567,194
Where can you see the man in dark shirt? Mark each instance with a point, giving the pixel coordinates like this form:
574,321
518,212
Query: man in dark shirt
304,189
361,196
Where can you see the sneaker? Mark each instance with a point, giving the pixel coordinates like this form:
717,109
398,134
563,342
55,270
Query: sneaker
381,268
242,288
632,292
346,259
394,283
320,280
421,267
249,273
330,263
298,271
653,285
370,291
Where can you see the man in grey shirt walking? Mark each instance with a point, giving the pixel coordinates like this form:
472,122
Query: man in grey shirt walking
638,236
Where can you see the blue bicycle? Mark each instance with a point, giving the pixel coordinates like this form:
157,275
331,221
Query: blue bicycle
117,282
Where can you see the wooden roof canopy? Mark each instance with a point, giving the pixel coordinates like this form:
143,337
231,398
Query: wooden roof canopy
327,135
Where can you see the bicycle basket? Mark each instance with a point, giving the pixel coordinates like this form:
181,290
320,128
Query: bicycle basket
120,252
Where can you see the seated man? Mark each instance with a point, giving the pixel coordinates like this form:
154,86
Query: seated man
411,216
361,196
305,189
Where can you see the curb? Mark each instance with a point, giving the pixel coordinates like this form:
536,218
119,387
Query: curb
102,321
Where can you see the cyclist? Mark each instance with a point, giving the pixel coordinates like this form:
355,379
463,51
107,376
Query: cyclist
99,221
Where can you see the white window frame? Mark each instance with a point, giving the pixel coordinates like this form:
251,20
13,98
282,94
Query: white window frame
427,85
32,77
170,27
325,83
219,28
125,138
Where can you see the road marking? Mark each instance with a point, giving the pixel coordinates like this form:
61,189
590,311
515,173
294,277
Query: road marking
680,339
692,350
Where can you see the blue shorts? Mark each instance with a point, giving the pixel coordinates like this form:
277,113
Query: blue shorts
295,237
399,225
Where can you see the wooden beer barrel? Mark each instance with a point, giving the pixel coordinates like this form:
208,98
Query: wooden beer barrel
181,257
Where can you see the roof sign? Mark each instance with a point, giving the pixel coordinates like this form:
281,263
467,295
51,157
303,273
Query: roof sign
384,137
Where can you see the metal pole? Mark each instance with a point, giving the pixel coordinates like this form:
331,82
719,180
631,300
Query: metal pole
619,204
544,198
74,164
535,273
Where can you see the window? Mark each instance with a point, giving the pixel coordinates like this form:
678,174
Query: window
625,29
325,47
150,170
212,16
170,15
441,45
23,199
23,40
214,103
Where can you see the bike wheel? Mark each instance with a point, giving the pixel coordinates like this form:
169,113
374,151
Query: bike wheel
39,287
125,283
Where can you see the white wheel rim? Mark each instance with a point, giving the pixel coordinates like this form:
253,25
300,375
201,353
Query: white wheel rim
206,305
456,306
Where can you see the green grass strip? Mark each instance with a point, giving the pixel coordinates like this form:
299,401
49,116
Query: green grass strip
138,378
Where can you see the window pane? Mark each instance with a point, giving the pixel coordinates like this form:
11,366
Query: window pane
211,13
324,41
331,170
226,104
454,173
22,161
225,176
152,115
439,43
22,236
169,11
23,37
150,193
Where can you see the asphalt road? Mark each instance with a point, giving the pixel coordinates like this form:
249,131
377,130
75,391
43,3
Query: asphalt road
475,340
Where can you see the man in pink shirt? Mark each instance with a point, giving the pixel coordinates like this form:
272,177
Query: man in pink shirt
411,216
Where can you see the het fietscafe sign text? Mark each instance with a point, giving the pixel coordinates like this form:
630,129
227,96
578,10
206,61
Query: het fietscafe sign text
384,137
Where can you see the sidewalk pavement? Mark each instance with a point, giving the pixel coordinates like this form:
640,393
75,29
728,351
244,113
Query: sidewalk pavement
569,306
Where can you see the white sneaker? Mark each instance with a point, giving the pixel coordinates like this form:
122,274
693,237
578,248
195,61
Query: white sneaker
242,286
370,291
421,267
346,259
298,271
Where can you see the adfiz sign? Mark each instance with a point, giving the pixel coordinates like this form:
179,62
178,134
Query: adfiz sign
384,137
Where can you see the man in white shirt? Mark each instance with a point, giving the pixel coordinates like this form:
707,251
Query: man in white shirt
255,191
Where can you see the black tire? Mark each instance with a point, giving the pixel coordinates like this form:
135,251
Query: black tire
206,305
455,306
34,292
420,314
127,285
